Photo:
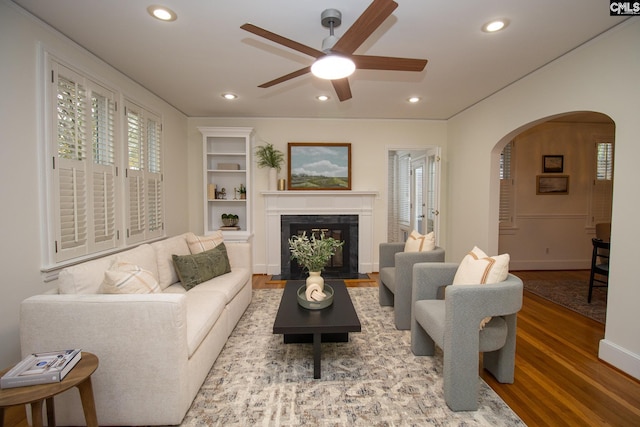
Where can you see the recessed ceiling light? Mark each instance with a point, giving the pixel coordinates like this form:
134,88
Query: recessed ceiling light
495,25
414,99
229,96
322,98
162,13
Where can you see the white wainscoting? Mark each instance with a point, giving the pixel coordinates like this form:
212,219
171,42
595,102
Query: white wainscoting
361,203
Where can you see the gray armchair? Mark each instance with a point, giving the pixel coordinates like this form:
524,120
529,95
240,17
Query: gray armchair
453,325
396,271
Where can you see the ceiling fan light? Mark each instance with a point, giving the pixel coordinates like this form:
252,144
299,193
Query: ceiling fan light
332,67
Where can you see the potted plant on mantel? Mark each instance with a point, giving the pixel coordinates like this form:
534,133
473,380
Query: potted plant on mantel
313,254
272,158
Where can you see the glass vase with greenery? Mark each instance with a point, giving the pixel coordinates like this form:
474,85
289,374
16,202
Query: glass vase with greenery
313,253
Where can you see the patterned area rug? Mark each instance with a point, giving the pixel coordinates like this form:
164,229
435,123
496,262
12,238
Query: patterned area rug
572,294
373,380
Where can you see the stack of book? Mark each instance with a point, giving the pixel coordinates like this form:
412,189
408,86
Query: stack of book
41,368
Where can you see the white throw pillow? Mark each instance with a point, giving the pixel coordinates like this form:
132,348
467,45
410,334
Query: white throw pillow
127,278
198,244
477,268
417,242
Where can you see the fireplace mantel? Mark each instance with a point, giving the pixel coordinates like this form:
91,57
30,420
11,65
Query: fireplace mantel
342,202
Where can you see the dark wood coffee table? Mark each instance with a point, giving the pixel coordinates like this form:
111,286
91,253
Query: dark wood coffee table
331,324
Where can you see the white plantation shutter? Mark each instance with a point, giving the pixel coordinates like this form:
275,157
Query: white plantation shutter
72,209
103,168
602,192
70,165
505,215
404,190
144,174
136,222
84,166
154,176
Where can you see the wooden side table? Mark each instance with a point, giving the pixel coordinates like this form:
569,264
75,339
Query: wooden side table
79,376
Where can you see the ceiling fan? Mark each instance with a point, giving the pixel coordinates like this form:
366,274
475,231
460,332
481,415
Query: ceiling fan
377,12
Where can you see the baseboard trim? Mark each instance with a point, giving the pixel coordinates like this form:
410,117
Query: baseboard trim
619,357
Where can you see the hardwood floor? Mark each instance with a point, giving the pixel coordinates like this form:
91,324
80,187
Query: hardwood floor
559,379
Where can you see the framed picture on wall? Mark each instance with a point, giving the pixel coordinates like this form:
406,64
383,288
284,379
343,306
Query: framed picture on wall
552,184
319,166
553,164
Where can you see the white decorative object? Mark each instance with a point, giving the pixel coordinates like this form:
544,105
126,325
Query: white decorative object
273,179
315,279
314,293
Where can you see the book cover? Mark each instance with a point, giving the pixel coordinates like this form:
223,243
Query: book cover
41,368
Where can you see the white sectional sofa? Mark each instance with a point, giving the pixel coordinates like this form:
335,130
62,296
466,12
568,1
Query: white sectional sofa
155,349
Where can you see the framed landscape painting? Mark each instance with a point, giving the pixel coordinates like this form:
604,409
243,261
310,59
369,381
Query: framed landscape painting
319,166
552,184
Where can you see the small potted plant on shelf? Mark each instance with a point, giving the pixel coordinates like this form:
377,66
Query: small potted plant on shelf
243,191
313,254
229,220
272,158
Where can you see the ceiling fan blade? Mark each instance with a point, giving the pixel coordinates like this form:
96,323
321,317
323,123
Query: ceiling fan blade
365,25
342,88
282,40
289,76
368,62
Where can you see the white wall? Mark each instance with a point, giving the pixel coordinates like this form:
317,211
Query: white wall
370,140
20,145
553,232
599,76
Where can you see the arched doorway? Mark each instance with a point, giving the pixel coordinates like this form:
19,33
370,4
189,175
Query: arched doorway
556,180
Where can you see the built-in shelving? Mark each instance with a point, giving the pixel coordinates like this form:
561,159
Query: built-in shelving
227,169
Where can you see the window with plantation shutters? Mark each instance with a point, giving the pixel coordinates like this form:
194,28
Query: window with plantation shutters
83,165
404,190
602,191
505,215
144,174
89,203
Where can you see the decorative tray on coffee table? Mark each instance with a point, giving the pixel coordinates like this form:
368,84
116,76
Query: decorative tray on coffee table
315,305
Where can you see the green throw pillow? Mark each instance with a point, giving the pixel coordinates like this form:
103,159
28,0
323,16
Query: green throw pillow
198,268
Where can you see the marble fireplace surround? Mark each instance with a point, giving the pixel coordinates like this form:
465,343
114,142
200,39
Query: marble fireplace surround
293,202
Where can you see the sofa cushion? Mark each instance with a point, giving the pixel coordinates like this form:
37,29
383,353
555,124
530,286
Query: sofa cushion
127,278
198,244
203,311
197,268
228,284
86,278
176,245
417,242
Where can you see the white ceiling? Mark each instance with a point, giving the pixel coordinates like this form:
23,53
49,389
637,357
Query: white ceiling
190,62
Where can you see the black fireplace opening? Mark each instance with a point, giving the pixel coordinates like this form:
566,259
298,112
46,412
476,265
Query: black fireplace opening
343,264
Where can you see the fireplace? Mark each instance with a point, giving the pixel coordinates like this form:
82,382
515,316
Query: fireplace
323,203
344,264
